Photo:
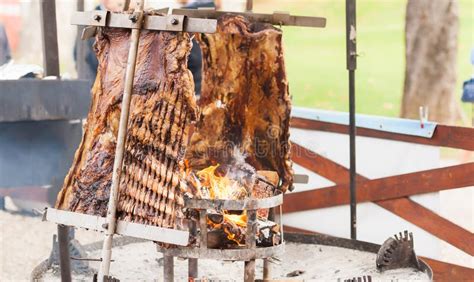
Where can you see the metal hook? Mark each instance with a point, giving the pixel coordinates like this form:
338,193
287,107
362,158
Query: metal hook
423,112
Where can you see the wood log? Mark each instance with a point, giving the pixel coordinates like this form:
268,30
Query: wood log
268,233
265,187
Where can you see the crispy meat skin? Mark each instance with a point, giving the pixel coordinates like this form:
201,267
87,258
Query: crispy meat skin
162,108
244,100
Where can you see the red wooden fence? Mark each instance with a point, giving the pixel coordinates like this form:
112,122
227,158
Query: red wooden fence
392,193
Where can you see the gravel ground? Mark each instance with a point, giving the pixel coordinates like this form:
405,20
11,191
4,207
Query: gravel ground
26,241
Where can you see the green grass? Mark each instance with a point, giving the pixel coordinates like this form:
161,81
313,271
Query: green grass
316,63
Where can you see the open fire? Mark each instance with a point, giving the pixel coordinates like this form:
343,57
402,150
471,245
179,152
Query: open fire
227,228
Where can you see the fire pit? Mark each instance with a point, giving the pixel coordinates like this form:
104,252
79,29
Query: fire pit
201,249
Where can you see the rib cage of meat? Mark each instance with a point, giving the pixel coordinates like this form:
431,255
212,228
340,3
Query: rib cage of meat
244,98
162,108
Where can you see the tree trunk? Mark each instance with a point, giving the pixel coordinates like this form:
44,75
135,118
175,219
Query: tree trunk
431,33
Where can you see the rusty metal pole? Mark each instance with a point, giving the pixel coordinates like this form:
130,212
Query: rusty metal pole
137,19
50,37
80,47
249,266
250,243
168,266
249,6
192,262
267,266
64,256
351,57
51,68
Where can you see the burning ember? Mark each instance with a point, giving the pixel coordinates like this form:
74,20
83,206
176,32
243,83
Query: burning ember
211,184
228,182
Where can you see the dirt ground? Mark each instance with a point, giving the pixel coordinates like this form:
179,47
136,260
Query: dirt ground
26,241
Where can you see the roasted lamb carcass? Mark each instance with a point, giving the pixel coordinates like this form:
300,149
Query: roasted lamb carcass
244,99
162,108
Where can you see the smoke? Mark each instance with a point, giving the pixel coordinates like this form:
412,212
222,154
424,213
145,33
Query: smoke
239,170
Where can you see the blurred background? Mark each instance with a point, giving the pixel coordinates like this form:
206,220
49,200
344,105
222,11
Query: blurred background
315,58
316,67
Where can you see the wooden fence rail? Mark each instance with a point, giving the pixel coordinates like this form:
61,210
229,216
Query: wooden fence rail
392,193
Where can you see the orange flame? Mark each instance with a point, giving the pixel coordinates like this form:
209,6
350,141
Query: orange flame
214,186
219,187
238,219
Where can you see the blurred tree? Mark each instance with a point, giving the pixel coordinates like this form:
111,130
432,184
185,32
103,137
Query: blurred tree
431,35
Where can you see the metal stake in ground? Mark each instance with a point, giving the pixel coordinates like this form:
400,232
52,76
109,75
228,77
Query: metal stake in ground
137,19
51,68
351,56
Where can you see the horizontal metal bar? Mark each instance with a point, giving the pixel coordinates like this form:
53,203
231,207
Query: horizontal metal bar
300,178
394,125
226,254
277,18
34,99
237,205
89,18
176,23
89,259
125,228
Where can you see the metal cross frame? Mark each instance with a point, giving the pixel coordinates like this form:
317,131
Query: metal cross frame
277,18
136,21
180,20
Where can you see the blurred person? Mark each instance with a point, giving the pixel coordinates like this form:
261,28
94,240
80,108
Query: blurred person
5,55
195,57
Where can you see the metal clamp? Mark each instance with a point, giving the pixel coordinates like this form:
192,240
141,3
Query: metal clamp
90,18
176,23
280,17
277,18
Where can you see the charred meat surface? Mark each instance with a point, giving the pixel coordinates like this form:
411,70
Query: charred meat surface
244,99
162,108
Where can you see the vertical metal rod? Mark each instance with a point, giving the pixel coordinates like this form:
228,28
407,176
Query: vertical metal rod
472,114
249,271
280,220
203,228
267,270
51,68
267,266
121,139
250,243
64,257
192,262
168,267
50,37
351,56
126,5
192,269
80,47
249,6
